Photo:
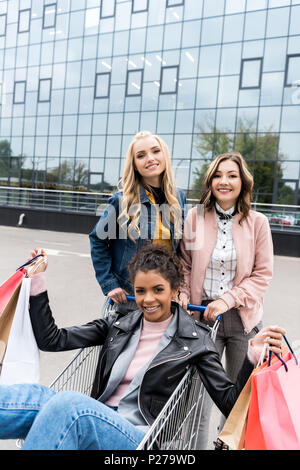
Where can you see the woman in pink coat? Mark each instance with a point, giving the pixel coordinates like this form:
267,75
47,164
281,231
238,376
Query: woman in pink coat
227,257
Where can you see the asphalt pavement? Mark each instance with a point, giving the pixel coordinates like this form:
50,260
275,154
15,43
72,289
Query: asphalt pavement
76,297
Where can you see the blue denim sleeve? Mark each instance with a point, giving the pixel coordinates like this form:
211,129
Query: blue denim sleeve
101,250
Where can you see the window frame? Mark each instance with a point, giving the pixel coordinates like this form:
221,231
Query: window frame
161,80
20,12
139,92
45,7
288,57
179,3
108,86
50,90
108,16
14,95
5,25
139,11
250,59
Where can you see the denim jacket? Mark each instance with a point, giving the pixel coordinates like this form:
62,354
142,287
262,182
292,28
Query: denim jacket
112,249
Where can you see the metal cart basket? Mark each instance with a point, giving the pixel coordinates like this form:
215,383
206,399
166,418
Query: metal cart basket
176,426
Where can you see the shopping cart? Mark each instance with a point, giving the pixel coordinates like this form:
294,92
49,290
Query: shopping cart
176,426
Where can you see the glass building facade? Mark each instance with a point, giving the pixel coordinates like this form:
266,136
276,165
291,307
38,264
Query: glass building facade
78,78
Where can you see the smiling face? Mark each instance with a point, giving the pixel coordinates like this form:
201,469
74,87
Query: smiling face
153,295
226,184
149,160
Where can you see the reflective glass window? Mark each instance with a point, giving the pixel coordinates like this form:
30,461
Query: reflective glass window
173,3
134,82
290,119
172,36
44,89
102,85
19,92
139,5
154,38
233,28
209,62
121,40
189,63
231,59
137,40
278,22
292,72
108,8
131,123
191,33
49,16
2,25
275,54
207,92
105,44
269,119
228,91
255,25
251,70
271,88
295,20
169,80
211,30
186,93
24,20
225,121
92,18
76,26
289,145
184,121
235,6
213,8
98,147
181,169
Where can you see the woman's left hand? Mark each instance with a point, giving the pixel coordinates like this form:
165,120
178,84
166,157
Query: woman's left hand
215,308
271,335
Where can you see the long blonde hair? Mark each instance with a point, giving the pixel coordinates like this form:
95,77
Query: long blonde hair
131,183
243,203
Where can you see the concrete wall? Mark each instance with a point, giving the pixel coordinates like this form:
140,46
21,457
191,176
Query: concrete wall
286,243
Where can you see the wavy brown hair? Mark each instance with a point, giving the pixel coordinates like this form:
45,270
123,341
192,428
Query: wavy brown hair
243,203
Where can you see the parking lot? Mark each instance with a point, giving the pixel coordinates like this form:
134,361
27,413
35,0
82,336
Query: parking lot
76,298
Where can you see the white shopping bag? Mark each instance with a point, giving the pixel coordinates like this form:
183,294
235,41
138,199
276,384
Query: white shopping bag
21,363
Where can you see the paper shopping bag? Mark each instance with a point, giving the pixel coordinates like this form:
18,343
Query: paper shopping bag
6,320
8,288
279,410
273,406
21,363
233,431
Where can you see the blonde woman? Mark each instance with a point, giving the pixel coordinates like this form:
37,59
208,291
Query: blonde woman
147,208
227,257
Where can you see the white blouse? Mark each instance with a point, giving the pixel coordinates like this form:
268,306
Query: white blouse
220,272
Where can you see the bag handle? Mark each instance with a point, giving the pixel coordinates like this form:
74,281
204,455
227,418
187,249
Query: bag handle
32,260
280,358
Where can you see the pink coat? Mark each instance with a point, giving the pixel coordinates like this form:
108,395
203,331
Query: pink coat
254,251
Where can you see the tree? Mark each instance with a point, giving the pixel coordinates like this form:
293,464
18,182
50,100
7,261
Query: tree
259,151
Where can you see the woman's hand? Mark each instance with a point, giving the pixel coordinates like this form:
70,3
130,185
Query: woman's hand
41,263
118,295
183,300
215,308
270,335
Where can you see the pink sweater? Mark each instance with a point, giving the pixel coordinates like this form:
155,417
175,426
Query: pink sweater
254,250
150,336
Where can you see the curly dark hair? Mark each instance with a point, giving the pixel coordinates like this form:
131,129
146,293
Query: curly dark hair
158,258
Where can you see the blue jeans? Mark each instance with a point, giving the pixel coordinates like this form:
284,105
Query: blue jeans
62,421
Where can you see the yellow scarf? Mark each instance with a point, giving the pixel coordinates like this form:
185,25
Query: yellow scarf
162,234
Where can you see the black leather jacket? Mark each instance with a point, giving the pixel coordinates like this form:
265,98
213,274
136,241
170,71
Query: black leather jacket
191,345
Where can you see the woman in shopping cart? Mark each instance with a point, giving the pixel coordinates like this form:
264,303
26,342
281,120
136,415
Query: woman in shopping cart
227,257
148,208
144,356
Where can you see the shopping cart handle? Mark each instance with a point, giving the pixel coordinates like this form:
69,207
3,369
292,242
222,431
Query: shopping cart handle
199,308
